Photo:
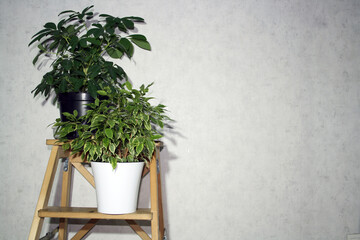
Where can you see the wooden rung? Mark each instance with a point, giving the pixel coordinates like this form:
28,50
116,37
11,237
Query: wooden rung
86,213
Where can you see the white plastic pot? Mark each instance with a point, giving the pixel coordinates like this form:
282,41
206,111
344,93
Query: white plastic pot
117,190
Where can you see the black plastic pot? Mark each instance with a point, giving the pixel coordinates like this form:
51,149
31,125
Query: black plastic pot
69,102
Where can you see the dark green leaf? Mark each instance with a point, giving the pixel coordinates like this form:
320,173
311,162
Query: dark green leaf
114,53
135,19
128,46
60,24
93,41
92,89
142,44
77,83
41,47
50,25
83,43
128,24
36,58
138,37
86,9
105,15
67,11
67,64
63,85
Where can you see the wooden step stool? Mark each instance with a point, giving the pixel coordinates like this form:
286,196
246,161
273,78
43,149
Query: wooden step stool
64,211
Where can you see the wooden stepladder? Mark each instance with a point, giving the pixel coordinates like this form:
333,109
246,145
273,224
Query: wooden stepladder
154,214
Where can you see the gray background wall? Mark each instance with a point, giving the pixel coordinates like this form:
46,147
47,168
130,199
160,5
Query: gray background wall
266,98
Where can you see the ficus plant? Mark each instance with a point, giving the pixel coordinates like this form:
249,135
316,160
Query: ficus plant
121,126
79,47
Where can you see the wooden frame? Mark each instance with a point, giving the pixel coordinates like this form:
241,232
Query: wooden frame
65,211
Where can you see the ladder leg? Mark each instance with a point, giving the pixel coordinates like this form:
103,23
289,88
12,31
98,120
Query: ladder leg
161,213
65,198
44,193
154,198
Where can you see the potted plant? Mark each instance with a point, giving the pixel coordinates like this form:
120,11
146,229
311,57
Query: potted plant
79,47
121,130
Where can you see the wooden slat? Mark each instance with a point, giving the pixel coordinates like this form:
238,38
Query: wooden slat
138,230
154,199
85,229
161,212
92,213
65,200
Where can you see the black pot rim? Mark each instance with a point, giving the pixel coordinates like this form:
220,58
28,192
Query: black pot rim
75,96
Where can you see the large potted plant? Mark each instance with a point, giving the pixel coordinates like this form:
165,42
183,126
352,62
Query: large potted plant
118,139
78,48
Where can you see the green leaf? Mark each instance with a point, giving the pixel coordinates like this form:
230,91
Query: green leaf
92,151
111,123
87,147
50,25
109,133
68,115
114,53
128,85
102,92
142,44
112,147
75,112
139,148
157,136
147,126
97,102
106,142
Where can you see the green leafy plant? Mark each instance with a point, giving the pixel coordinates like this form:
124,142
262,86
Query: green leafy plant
121,127
77,47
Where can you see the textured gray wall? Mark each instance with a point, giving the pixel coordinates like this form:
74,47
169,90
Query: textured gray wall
266,100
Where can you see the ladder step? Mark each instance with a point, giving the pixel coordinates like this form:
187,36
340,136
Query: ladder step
92,213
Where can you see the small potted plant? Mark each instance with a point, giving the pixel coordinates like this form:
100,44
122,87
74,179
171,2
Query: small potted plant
79,47
118,139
